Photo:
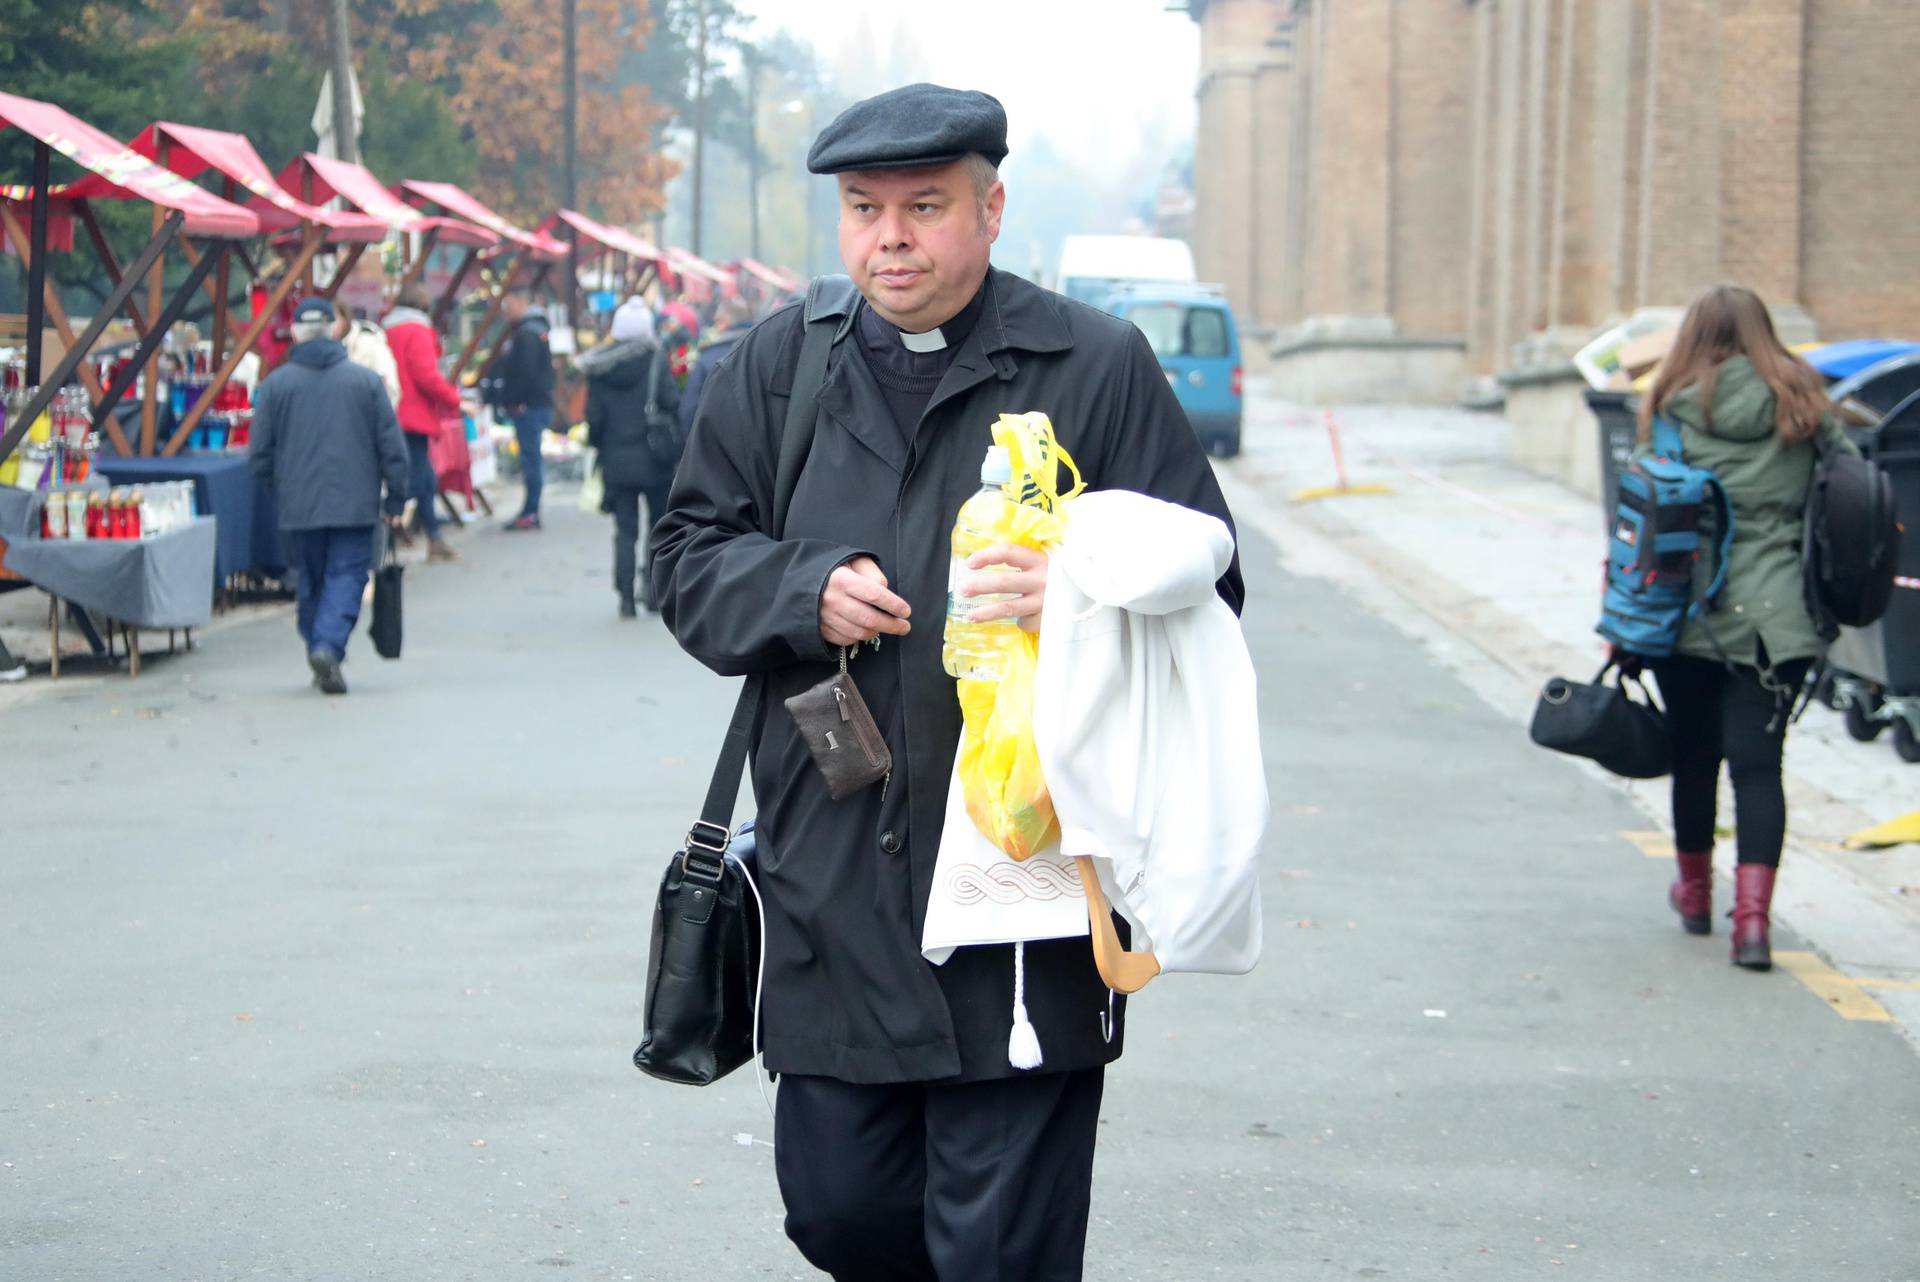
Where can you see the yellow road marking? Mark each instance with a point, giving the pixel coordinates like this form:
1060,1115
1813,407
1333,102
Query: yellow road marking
1654,845
1903,985
1830,986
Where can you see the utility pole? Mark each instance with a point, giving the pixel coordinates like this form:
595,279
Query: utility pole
342,65
569,194
699,122
750,64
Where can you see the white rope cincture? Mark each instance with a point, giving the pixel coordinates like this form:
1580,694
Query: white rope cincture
1023,1044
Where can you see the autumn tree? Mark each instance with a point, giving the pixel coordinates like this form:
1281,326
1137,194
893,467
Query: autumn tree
452,81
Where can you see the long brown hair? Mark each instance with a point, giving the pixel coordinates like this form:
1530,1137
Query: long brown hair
1729,321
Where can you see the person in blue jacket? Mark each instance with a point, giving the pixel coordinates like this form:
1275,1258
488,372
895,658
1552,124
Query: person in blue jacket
324,439
731,324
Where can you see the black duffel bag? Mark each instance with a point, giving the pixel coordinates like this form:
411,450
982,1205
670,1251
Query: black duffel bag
1599,720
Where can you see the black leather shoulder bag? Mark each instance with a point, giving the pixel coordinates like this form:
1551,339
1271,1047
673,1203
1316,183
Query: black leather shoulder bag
704,964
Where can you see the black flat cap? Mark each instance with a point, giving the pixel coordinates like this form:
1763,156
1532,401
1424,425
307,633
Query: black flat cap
912,125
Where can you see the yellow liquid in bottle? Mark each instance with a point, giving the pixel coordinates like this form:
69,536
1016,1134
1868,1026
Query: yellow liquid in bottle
975,651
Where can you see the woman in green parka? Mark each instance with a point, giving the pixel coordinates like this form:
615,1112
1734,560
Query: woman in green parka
1750,411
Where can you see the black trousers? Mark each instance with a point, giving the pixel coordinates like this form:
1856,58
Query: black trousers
1716,715
981,1182
624,502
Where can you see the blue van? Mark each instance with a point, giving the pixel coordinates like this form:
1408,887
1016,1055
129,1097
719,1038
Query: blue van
1191,330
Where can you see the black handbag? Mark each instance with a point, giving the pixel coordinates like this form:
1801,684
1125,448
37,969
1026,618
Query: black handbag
705,962
384,628
1602,722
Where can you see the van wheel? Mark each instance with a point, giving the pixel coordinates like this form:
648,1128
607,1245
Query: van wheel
1905,742
1223,447
1861,725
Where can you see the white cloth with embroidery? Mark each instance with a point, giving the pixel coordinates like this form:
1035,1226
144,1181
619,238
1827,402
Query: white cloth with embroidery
1146,719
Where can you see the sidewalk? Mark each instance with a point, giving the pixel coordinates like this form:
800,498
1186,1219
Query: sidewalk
1502,570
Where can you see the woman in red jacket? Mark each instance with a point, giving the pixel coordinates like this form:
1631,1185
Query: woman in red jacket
425,398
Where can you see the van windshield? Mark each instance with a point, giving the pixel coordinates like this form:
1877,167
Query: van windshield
1174,329
1092,290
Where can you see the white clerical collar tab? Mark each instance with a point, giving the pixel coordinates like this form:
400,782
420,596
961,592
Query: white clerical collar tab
931,341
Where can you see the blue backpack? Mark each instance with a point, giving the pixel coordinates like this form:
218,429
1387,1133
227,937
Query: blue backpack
1665,514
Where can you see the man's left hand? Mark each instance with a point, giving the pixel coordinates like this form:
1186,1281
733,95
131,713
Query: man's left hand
1023,580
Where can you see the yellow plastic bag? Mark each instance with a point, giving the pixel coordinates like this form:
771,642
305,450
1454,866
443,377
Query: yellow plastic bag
1000,776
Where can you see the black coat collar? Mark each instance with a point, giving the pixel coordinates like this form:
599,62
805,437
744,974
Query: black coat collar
1018,317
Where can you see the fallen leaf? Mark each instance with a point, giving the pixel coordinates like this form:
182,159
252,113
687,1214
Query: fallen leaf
245,1017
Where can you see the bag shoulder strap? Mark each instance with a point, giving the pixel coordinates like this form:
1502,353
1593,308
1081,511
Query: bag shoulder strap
654,363
1667,439
830,302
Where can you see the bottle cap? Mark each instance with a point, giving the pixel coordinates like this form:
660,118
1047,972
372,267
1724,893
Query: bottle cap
996,468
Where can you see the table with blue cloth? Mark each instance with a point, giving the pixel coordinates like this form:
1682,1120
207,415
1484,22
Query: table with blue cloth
224,487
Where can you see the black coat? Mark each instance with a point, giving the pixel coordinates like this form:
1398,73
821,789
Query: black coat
324,437
637,450
525,364
848,994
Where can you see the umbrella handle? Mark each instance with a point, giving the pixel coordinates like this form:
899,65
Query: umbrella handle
1122,971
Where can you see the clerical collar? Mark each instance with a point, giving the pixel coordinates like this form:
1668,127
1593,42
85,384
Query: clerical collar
918,355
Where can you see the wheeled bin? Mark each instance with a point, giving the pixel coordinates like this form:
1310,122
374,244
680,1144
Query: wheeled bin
1874,671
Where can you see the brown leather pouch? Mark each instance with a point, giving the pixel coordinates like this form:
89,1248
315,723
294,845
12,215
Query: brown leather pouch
841,734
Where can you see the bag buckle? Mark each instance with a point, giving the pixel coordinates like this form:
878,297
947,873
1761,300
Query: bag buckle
705,855
717,838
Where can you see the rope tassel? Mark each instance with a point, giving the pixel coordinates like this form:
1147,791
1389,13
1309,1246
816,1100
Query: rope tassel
1023,1044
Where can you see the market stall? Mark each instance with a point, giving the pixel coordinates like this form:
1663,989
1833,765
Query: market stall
305,230
114,172
530,255
694,276
321,178
766,287
50,436
631,262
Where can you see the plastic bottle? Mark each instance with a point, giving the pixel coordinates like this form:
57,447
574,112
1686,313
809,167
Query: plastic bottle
977,651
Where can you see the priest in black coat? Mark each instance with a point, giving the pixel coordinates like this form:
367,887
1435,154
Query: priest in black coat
908,1146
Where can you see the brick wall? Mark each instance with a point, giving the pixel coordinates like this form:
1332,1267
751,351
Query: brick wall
1494,168
1430,198
1347,236
1860,265
1761,75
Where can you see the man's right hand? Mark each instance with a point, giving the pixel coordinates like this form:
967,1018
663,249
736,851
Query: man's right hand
858,607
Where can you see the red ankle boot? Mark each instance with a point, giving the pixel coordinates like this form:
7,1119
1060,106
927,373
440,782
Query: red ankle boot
1752,897
1692,892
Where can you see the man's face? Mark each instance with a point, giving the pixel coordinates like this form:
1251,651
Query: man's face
515,307
913,241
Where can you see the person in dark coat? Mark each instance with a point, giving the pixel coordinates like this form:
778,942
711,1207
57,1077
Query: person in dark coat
907,1146
731,324
324,438
524,369
631,425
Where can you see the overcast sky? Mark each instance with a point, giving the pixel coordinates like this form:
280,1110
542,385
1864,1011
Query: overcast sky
1094,74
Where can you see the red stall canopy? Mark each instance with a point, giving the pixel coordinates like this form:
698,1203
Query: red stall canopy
458,203
688,264
117,172
766,275
597,236
324,177
190,151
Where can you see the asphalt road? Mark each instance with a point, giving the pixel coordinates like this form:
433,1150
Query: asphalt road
346,989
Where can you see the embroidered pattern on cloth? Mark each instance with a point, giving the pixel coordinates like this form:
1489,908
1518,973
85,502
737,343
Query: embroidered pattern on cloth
1007,882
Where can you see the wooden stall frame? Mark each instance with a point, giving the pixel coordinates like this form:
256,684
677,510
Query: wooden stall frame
77,352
